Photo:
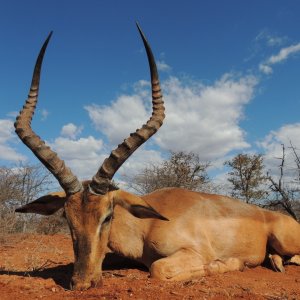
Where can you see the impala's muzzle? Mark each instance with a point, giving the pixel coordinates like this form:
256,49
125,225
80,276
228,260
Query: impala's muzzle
87,271
82,284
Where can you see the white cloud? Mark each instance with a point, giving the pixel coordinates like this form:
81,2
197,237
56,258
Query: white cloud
7,136
163,66
82,148
283,55
10,154
13,114
117,121
265,69
83,156
270,39
139,160
71,130
272,146
205,119
275,40
6,130
199,118
44,114
285,134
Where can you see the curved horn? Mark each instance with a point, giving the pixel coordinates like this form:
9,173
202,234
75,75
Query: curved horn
50,160
101,181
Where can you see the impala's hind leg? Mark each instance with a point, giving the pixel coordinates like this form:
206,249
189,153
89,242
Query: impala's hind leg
294,260
276,262
187,264
284,237
284,242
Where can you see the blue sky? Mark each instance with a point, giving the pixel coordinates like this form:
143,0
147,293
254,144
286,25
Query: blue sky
230,72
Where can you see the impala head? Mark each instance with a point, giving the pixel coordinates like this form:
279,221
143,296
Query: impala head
88,206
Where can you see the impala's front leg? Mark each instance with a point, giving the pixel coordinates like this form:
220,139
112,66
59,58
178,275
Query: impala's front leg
294,260
276,263
187,264
182,265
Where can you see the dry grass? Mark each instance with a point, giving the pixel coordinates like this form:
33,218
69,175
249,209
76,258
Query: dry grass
37,255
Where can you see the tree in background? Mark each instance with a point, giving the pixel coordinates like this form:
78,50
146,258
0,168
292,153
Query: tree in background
23,183
181,170
18,186
286,188
247,177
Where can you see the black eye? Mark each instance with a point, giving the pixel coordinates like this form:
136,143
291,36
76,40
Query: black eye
107,219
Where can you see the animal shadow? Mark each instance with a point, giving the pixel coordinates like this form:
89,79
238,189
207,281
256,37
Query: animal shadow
62,274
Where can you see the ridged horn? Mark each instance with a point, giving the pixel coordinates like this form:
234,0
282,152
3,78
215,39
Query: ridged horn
49,159
102,180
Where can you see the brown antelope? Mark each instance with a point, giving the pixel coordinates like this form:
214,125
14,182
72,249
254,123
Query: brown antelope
178,234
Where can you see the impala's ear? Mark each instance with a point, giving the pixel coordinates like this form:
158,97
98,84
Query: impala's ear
135,205
45,205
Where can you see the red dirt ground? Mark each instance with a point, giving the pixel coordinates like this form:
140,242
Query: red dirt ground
40,267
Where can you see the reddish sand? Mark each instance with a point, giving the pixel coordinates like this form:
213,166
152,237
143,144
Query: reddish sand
39,266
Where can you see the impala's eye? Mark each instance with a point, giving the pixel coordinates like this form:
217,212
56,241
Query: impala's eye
107,219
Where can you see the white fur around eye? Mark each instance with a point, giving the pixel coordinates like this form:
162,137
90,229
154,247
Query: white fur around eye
103,221
98,229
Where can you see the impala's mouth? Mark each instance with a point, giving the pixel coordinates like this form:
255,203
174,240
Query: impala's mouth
83,285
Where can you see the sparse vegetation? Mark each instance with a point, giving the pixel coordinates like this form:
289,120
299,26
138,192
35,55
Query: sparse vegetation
273,190
181,169
24,183
247,177
286,187
20,185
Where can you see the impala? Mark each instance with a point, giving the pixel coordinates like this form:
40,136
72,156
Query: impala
178,234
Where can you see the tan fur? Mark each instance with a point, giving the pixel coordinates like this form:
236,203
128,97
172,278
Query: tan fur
205,234
212,227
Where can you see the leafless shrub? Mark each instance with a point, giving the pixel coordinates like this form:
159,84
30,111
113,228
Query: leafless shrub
286,189
18,186
52,225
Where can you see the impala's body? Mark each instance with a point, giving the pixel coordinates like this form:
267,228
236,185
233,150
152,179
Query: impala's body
205,234
204,231
178,234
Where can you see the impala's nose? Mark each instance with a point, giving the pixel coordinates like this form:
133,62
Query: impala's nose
79,285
